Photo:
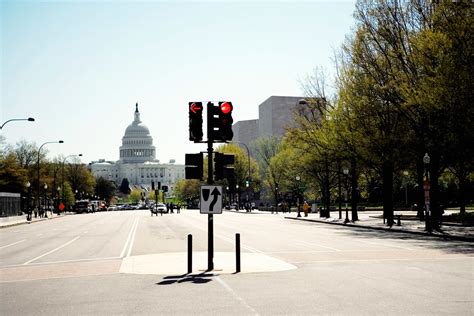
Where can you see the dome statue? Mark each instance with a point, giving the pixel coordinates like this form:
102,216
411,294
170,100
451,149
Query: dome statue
137,143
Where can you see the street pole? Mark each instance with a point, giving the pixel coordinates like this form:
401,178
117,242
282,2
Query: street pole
62,175
38,167
426,187
210,219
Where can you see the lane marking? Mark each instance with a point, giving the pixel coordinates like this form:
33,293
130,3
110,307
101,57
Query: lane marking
133,238
384,244
377,260
15,243
235,295
62,261
317,245
51,251
128,239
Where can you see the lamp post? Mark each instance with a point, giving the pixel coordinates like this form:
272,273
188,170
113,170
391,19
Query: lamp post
45,200
58,190
405,173
28,201
297,178
62,174
30,119
346,172
426,188
228,194
238,197
38,165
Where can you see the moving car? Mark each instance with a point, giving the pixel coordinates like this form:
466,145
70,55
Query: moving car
158,208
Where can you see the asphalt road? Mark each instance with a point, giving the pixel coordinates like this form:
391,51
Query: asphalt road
72,265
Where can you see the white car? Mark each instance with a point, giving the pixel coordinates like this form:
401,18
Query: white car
158,208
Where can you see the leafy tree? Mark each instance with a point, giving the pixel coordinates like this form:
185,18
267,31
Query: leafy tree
135,196
12,176
187,190
125,186
105,188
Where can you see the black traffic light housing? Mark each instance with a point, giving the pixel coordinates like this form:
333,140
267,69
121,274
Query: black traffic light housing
219,122
222,166
194,166
195,121
226,120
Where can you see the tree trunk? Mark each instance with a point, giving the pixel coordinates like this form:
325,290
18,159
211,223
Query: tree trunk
355,190
462,193
387,176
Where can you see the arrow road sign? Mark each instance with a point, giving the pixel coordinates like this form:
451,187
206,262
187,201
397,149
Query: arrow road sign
211,199
194,107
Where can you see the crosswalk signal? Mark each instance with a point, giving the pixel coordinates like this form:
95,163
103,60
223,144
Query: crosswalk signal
195,121
223,168
226,120
194,166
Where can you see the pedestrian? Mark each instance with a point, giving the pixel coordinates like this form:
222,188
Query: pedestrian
167,207
171,207
305,208
178,208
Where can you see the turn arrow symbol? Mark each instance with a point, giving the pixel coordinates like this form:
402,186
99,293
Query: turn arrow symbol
195,107
216,194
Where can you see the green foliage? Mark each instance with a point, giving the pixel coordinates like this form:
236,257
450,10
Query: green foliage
135,196
13,177
187,190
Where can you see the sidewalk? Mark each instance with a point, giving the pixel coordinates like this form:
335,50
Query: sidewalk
19,220
374,220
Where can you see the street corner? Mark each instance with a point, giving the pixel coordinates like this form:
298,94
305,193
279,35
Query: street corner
224,263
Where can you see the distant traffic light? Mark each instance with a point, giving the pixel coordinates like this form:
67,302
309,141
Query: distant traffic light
194,166
226,120
222,166
195,121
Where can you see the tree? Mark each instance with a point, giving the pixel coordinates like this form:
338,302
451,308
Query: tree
13,177
105,189
187,190
125,186
135,196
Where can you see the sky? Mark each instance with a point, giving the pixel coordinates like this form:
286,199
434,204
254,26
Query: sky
79,67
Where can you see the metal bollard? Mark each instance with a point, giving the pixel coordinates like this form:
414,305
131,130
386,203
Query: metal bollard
399,223
237,253
190,253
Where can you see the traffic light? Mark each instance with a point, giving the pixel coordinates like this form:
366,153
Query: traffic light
219,121
195,121
221,166
213,122
226,120
194,166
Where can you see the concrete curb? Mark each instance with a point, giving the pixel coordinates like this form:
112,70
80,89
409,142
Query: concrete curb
6,225
452,237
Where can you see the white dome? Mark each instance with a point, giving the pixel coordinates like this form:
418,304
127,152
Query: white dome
137,143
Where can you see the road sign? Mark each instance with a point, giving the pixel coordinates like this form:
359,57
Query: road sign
211,199
61,206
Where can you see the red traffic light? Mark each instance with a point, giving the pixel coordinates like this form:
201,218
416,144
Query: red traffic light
226,107
195,107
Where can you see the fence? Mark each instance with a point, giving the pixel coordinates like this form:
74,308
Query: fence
10,204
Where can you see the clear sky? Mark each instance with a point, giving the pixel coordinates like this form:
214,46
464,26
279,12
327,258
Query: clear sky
79,67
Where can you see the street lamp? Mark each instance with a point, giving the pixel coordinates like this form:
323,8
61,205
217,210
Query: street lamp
45,200
346,172
405,173
297,178
62,174
426,188
28,201
30,119
38,165
238,196
58,199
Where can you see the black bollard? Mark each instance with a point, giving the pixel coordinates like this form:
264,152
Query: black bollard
190,253
237,253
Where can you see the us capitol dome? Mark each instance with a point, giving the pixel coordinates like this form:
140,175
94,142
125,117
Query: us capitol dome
137,162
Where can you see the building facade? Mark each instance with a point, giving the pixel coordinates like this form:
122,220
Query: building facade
275,115
138,163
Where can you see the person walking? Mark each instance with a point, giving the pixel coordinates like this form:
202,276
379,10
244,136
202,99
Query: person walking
305,208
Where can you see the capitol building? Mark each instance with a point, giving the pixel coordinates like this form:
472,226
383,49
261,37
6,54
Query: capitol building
138,163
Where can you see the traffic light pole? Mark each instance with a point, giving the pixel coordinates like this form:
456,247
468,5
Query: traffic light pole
210,219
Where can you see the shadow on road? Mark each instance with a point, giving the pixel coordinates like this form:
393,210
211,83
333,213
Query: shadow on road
201,278
437,243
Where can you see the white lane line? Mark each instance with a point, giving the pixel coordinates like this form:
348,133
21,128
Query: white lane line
15,243
232,292
51,251
128,239
232,241
133,238
384,244
317,245
64,261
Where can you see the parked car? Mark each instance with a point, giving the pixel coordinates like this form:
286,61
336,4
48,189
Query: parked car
159,208
112,207
83,206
